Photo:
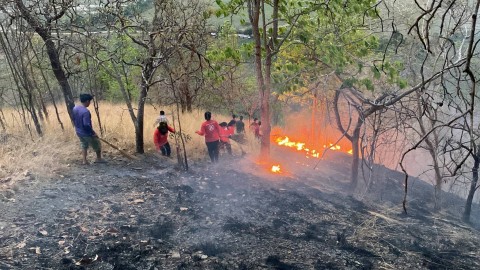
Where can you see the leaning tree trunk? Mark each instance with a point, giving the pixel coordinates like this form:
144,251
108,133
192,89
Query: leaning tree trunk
473,188
45,33
47,84
60,75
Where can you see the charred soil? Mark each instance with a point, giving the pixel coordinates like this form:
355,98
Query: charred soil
232,215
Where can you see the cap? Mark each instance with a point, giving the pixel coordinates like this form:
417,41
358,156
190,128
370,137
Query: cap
85,97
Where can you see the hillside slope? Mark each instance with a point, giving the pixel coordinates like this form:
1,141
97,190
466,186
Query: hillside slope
234,215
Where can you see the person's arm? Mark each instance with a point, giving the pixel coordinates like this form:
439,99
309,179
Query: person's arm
171,129
217,126
201,132
87,123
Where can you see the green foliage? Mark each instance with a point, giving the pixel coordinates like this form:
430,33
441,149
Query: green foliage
328,38
119,48
226,52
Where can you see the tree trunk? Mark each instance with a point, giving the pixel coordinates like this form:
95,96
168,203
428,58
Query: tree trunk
2,122
265,112
139,142
355,154
473,188
262,88
48,86
189,102
60,75
45,33
33,113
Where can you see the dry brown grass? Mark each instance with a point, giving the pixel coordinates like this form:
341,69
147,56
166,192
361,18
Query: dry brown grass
58,149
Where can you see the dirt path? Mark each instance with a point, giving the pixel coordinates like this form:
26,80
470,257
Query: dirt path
146,215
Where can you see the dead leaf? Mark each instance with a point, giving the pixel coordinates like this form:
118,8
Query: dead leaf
183,208
35,250
61,242
83,229
138,201
112,230
86,260
66,250
43,232
21,245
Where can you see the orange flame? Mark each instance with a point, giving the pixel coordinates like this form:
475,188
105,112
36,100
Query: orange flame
276,168
300,146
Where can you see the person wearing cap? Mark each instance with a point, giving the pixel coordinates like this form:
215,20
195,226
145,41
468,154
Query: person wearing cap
82,120
161,118
211,130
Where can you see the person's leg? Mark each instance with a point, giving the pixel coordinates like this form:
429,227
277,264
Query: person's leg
168,149
210,151
84,147
229,148
97,147
216,151
84,157
163,149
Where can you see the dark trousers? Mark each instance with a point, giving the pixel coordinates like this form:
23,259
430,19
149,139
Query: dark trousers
166,150
213,150
227,146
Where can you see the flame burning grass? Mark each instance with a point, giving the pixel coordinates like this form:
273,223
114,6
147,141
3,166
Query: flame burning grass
276,169
300,146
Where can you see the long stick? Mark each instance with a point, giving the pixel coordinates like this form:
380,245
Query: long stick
120,150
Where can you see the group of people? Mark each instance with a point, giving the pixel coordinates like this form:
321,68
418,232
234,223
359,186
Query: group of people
217,136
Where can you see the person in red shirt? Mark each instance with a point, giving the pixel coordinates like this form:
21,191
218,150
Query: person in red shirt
160,138
225,134
211,130
255,127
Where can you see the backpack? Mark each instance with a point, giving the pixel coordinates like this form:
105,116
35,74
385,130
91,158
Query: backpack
163,128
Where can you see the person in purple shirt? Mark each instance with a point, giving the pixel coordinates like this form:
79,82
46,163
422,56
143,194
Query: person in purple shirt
82,120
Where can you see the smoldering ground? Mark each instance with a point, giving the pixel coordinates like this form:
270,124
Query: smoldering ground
235,215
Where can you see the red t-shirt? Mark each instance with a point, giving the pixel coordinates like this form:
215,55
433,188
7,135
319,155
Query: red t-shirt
231,129
211,130
224,133
160,139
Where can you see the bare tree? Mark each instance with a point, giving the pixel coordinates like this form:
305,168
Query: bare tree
42,18
170,30
457,23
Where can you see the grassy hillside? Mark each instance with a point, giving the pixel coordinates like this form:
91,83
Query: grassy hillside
21,150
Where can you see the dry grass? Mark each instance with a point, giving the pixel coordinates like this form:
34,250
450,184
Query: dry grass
21,151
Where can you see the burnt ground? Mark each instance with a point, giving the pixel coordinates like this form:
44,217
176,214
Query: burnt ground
235,215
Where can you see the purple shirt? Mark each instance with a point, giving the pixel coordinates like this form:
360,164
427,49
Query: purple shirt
82,121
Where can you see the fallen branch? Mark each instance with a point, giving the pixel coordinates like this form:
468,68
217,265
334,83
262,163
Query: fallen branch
125,154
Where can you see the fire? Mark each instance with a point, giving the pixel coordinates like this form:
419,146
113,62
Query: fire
276,168
300,146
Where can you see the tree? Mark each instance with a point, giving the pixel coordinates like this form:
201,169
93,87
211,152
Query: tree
286,22
42,18
443,31
156,42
